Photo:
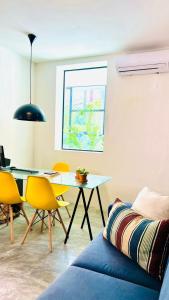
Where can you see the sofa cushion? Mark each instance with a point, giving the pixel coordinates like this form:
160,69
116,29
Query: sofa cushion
151,204
143,240
102,257
164,293
78,283
128,204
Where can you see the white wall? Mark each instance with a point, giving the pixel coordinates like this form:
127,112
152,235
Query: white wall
16,136
136,136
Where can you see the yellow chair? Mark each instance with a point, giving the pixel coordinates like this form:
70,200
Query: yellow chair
40,195
9,195
59,190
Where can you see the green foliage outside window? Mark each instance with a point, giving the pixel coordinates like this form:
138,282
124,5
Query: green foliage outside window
85,131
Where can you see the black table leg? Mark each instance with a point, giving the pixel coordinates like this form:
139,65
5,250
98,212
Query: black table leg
20,186
88,204
100,204
86,213
72,217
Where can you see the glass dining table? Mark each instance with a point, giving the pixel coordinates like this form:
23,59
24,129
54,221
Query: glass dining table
68,179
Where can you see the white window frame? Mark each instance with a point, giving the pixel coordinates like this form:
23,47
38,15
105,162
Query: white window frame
59,99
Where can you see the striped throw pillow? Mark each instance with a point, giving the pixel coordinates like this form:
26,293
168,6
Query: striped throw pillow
143,240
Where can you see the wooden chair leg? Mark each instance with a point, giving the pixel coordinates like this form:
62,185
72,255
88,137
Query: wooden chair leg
5,212
24,214
61,221
43,215
68,212
66,207
11,223
50,230
29,227
53,217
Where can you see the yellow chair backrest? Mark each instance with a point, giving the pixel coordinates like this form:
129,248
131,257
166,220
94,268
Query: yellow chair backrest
9,193
62,167
39,193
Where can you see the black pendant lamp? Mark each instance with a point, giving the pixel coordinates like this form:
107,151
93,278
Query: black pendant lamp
30,112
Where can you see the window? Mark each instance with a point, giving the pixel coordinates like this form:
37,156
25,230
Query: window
84,95
84,109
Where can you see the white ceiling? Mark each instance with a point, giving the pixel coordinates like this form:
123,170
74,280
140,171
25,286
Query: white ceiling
74,28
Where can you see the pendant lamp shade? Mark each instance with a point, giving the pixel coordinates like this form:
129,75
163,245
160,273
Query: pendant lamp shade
30,112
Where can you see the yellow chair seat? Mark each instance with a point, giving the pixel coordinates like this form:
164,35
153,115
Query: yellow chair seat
62,203
40,195
59,190
9,195
23,199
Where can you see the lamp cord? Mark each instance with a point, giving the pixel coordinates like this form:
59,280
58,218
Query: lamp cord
31,75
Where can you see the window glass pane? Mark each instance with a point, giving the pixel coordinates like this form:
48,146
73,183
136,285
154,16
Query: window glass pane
86,77
84,106
88,97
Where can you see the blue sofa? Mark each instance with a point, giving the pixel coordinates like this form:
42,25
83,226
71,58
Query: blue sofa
102,272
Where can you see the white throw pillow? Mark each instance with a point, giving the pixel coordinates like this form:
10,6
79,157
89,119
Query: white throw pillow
151,204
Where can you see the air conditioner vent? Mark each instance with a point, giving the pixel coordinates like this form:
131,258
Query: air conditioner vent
144,63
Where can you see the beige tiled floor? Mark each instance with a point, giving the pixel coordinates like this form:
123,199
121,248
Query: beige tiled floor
25,271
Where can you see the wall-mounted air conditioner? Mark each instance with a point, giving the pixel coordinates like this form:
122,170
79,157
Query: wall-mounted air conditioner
143,63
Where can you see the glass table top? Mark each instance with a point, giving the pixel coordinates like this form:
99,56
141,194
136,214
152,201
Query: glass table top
65,178
69,179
